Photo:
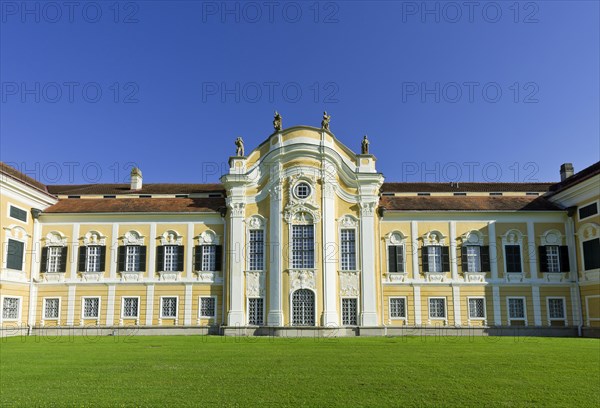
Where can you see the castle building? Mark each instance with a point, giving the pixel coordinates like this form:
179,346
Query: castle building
302,234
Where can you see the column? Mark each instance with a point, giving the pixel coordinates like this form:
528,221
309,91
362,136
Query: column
417,300
496,302
453,264
275,314
493,250
151,259
114,245
74,255
149,304
330,315
189,251
456,304
532,251
236,275
369,290
414,244
537,314
110,307
34,273
187,311
71,305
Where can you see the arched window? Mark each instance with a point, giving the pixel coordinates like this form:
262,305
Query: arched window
303,308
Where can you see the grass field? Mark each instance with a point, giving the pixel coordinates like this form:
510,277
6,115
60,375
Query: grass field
224,371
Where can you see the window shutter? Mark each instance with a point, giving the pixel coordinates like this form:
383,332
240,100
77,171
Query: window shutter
62,267
218,257
484,252
121,254
102,258
445,259
464,258
14,259
564,259
160,258
44,261
180,258
425,259
543,256
198,257
82,255
143,258
392,259
400,258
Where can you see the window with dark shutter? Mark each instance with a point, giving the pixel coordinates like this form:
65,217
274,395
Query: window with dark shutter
160,258
18,214
445,259
198,258
564,259
14,255
62,262
485,258
143,251
180,258
81,259
219,258
44,260
395,258
542,256
121,253
591,254
513,258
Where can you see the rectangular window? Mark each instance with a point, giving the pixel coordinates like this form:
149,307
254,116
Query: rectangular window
591,254
51,308
476,308
516,308
208,307
396,258
437,308
473,258
348,252
588,211
398,308
350,312
92,263
513,258
132,258
434,254
168,307
18,214
131,307
11,308
556,308
14,255
54,259
91,307
303,246
256,250
171,258
552,258
209,257
255,311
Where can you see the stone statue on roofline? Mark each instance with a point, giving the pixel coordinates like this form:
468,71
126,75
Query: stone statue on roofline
364,148
325,121
239,147
277,122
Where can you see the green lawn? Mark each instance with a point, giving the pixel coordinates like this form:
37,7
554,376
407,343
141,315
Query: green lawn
251,372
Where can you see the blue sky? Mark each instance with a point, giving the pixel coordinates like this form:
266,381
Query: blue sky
446,91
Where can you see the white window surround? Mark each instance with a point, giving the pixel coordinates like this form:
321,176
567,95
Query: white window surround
256,223
404,298
470,318
44,300
204,316
16,233
27,215
551,237
430,317
83,316
395,238
176,308
349,222
19,309
508,316
291,303
588,232
564,309
513,237
357,310
123,316
248,307
473,237
597,202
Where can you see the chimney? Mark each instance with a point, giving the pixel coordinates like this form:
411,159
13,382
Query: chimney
136,179
566,171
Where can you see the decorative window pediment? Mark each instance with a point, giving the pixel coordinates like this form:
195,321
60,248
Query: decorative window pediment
512,237
551,237
56,238
395,238
589,231
94,238
133,238
208,237
473,237
171,237
301,214
256,222
348,221
16,232
433,238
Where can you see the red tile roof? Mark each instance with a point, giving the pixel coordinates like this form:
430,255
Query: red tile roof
466,203
410,187
150,188
577,178
137,205
13,173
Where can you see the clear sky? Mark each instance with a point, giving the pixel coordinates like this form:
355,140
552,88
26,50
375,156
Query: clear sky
446,91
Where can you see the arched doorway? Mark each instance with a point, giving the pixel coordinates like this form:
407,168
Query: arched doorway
303,308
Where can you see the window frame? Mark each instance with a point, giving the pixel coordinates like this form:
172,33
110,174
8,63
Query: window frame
123,316
353,256
564,309
509,319
478,258
19,308
26,221
200,315
23,258
311,249
44,302
262,311
253,250
83,316
469,298
403,298
299,184
176,307
97,257
439,257
429,299
137,263
357,317
57,257
597,202
174,260
583,252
